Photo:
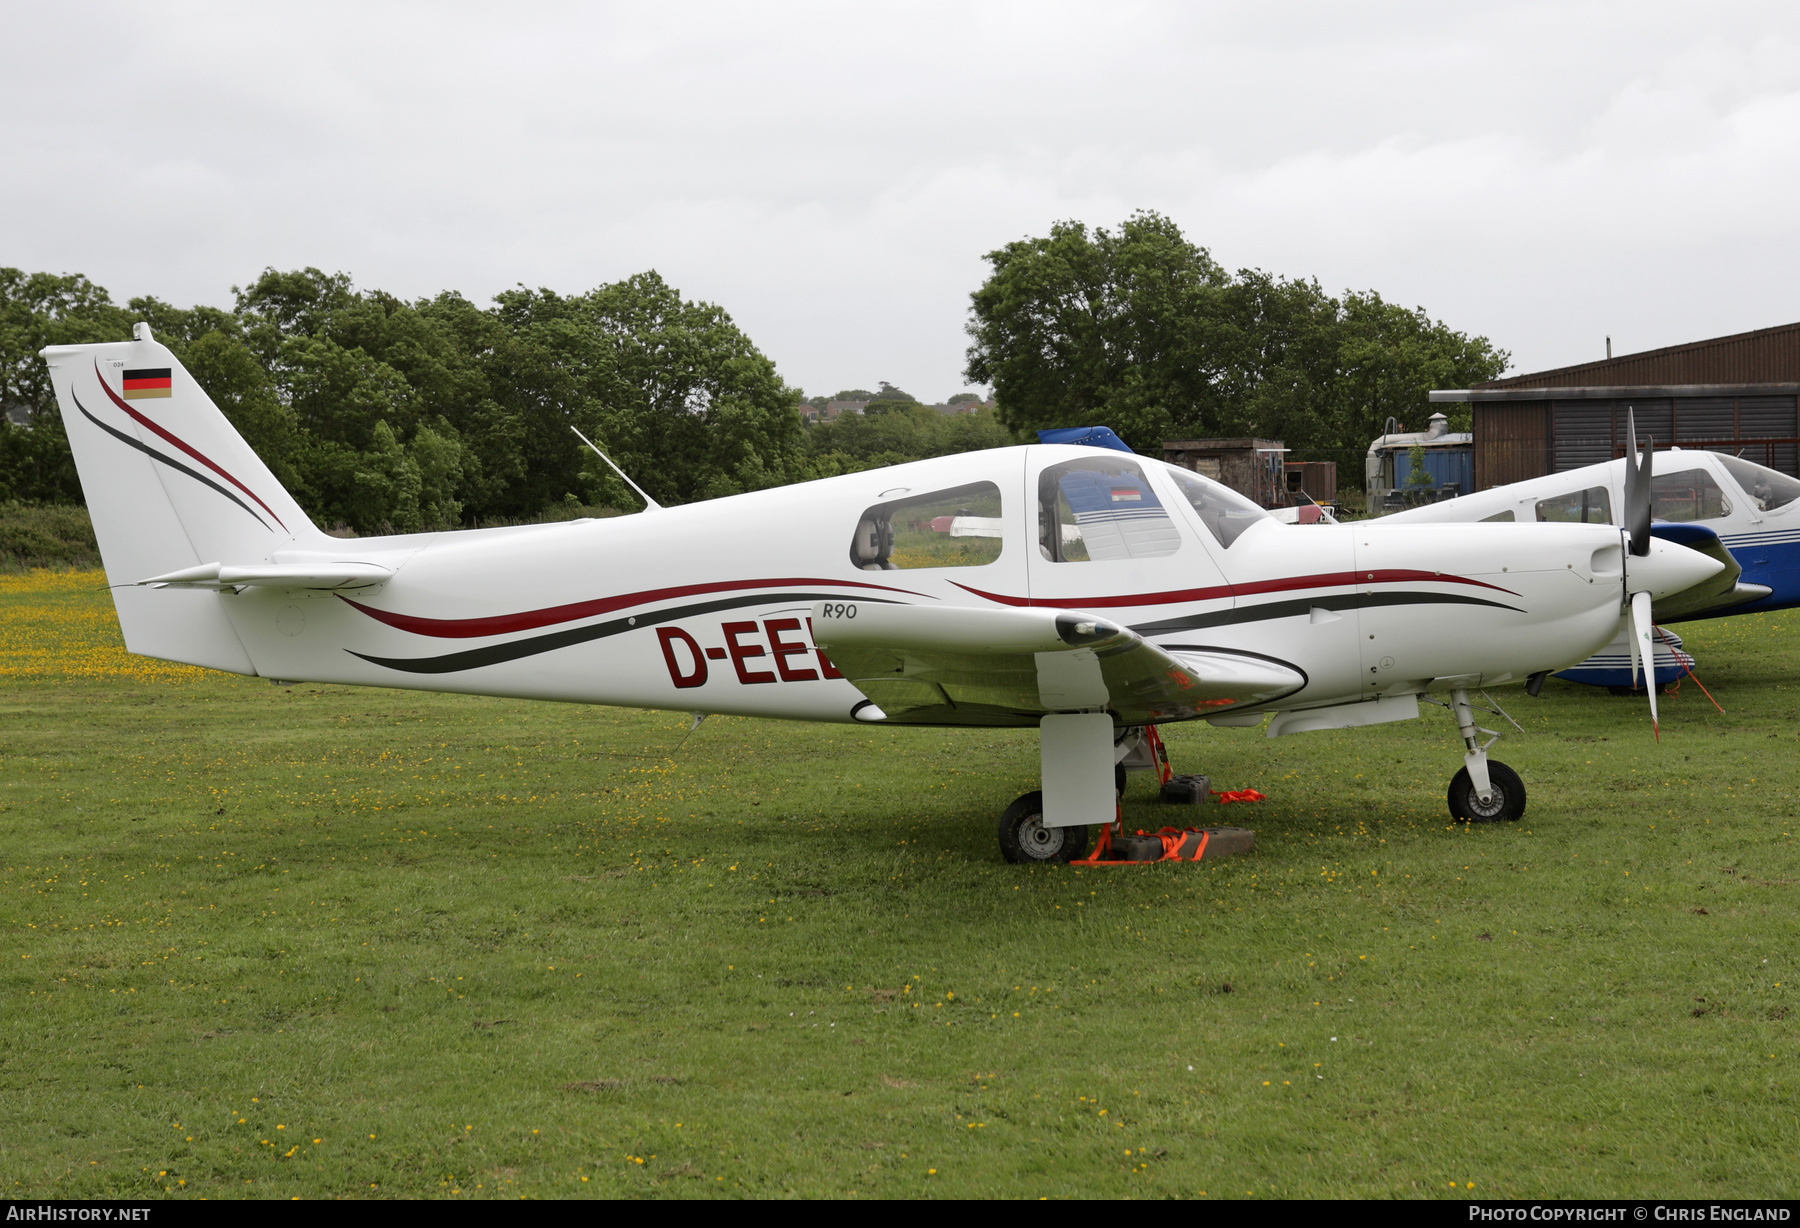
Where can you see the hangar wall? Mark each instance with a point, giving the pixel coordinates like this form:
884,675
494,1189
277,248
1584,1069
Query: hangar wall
1737,394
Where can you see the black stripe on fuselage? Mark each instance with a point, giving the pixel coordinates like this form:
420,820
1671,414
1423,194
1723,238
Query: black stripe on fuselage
170,461
1294,609
497,654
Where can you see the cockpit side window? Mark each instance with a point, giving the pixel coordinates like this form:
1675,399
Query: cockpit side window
959,527
1768,489
1223,511
1691,494
1099,510
1590,506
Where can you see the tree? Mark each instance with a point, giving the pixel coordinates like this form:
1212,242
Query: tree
1141,330
1120,327
673,391
390,415
894,432
36,310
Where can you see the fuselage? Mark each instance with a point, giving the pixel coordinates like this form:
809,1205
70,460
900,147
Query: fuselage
705,607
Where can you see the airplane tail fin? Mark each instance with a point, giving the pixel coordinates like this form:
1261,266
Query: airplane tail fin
170,485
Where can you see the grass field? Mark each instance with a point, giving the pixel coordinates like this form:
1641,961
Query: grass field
334,942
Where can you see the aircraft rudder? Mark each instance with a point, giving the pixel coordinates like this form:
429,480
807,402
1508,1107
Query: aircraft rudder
167,478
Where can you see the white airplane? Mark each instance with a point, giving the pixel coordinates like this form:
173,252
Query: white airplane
1101,593
1744,514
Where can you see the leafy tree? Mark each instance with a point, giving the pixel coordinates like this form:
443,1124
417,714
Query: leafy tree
1141,330
1122,327
672,390
386,415
891,433
36,310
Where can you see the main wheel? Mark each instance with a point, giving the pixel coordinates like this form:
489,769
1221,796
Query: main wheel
1507,804
1024,840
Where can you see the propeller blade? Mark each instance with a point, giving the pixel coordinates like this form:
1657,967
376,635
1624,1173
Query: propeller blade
1631,641
1637,489
1643,645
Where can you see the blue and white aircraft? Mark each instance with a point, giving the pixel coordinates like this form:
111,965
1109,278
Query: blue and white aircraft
1738,511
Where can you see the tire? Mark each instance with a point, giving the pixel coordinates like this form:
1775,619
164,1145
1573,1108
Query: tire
1024,840
1507,806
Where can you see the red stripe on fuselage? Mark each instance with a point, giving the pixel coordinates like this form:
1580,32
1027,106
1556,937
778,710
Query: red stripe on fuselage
1336,579
182,444
530,620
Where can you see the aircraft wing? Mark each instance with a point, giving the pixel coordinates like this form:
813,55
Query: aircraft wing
1720,592
926,665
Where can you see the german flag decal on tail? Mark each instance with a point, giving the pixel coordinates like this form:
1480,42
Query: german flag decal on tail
147,383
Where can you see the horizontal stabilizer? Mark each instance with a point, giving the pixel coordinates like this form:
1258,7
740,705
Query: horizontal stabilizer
275,575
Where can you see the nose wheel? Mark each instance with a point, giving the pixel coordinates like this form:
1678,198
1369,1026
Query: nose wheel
1485,790
1505,802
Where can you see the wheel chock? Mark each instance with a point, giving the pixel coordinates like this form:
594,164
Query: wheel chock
1170,844
1187,790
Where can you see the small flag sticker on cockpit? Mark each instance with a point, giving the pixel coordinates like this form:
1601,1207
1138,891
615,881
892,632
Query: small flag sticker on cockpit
153,382
1120,494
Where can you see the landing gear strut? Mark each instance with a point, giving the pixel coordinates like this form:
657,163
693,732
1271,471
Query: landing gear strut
1485,790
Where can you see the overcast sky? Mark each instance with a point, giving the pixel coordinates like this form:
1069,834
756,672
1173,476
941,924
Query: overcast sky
832,175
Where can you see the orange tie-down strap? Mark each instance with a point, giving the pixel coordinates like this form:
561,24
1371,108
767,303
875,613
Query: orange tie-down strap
1238,795
1177,844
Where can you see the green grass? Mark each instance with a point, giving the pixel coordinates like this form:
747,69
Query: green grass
335,942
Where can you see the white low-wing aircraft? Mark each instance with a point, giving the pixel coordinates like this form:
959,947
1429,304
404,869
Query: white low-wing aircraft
1091,593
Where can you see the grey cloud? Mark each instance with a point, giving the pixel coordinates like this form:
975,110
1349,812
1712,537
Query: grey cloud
1543,174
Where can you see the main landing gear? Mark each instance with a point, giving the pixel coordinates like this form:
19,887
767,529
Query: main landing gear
1485,790
1024,839
1081,754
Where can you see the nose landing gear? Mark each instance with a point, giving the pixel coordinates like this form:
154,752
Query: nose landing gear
1485,790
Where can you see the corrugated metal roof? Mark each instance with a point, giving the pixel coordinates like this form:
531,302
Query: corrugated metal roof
1608,392
1765,356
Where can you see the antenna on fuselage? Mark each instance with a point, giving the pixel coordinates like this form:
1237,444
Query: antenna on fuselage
650,505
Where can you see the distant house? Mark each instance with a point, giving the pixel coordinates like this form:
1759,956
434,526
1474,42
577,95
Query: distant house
835,409
19,416
832,411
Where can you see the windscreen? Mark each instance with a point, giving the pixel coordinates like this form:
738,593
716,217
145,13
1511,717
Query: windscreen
1223,511
1767,488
